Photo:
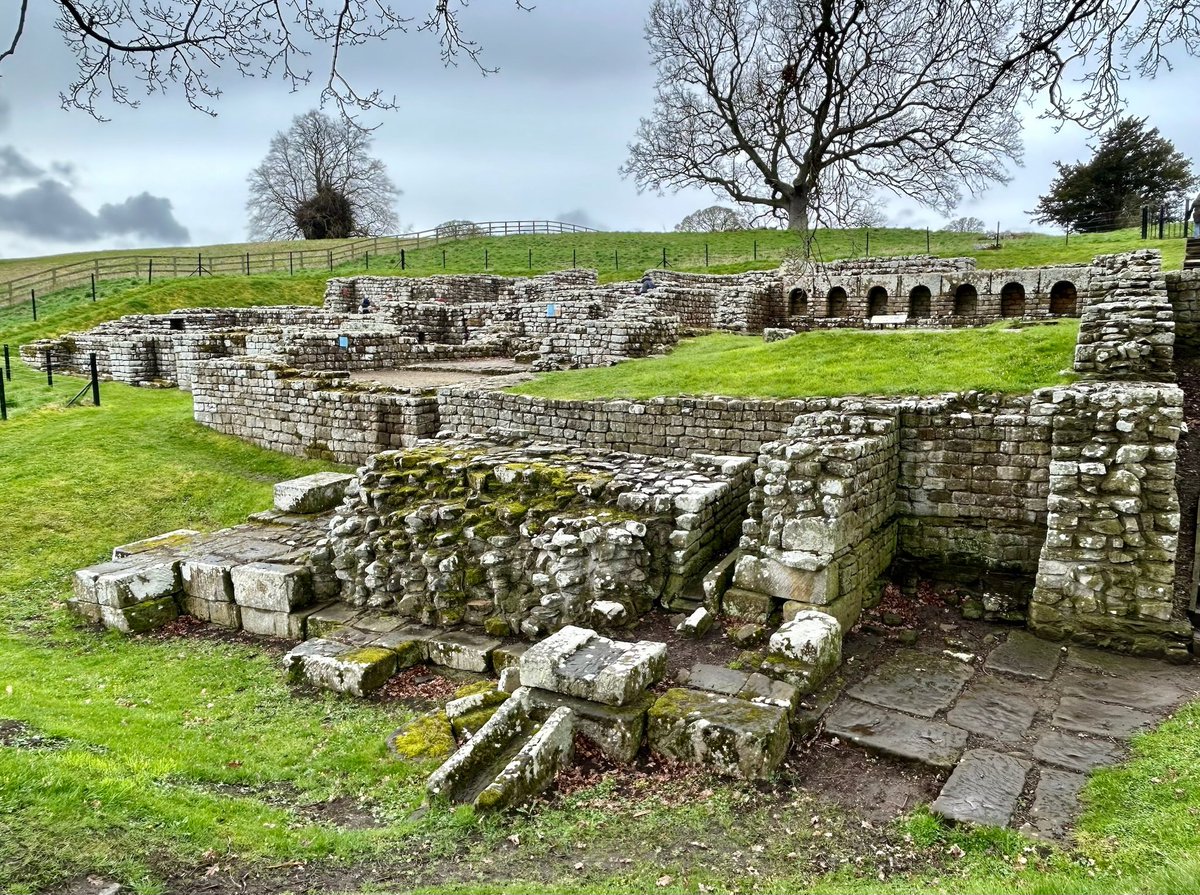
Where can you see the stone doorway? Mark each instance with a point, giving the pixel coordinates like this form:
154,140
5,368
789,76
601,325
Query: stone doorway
797,303
835,302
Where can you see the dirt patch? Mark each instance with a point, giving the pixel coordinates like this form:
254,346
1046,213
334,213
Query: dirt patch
440,373
19,735
418,686
714,648
194,629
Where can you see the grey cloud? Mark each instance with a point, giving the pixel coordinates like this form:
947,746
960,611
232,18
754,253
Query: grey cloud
5,113
14,166
49,211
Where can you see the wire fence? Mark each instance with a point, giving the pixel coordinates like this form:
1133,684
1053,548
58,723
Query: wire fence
161,266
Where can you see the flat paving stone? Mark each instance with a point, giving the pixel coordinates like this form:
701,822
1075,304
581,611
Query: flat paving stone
994,708
883,730
1024,655
916,683
1142,691
1111,663
1076,753
1056,804
716,679
1101,718
983,789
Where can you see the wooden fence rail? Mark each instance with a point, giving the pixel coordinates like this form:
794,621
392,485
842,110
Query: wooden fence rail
150,267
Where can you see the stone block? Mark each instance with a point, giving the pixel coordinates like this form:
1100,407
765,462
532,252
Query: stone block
293,660
271,587
328,618
217,612
732,736
747,605
357,671
767,575
140,617
697,624
508,656
580,662
805,650
983,789
135,582
207,578
616,730
266,623
314,493
846,609
892,733
461,650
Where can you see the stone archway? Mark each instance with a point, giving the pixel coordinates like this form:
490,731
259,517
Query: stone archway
877,301
835,302
966,301
1064,299
797,303
1012,300
920,302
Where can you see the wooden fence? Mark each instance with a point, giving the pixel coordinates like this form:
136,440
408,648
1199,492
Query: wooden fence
201,264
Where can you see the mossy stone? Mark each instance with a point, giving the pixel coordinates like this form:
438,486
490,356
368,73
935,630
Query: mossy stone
428,737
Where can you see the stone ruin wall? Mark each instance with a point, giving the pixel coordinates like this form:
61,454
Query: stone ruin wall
1183,292
528,539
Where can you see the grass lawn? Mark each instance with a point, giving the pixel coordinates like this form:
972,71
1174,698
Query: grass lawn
832,363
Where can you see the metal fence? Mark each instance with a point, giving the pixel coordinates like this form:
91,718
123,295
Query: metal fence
201,264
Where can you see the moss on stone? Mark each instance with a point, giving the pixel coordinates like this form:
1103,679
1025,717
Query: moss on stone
497,627
426,738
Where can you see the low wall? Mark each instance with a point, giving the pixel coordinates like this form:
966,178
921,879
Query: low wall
271,404
1183,292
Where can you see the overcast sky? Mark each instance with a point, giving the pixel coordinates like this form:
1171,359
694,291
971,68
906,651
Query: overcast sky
542,139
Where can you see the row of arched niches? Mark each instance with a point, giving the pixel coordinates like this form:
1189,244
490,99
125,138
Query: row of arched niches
1062,300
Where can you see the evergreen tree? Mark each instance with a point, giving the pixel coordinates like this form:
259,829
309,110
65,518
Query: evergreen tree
1133,166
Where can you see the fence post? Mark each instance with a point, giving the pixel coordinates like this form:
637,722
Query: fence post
95,380
247,264
1145,221
93,287
150,272
1162,220
572,259
443,259
331,259
199,265
755,251
616,260
706,254
927,251
531,259
3,401
49,367
7,365
367,257
402,260
868,245
33,302
291,265
485,259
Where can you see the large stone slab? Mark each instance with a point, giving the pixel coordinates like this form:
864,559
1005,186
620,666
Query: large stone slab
128,582
171,540
207,578
535,765
983,789
271,587
883,730
1056,804
314,493
1141,691
579,662
461,650
1100,718
732,736
916,683
994,708
266,623
765,575
805,650
1074,752
140,617
1024,655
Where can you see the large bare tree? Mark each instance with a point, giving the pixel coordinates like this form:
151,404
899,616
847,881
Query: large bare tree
800,107
118,43
319,181
796,106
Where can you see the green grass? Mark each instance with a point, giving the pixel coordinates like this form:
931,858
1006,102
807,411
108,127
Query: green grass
832,363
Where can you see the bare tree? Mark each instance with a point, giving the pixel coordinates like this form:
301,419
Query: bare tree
797,107
183,42
713,219
965,225
319,181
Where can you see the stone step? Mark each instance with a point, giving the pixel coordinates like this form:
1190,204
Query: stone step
983,789
512,758
883,730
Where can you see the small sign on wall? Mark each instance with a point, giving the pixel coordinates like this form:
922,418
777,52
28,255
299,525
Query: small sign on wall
343,341
551,310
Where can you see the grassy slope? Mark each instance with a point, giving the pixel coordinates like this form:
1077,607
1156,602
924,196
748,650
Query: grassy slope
833,362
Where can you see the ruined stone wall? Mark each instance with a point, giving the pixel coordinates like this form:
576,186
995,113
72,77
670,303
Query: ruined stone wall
1127,330
527,539
1106,572
1183,292
267,402
821,526
600,343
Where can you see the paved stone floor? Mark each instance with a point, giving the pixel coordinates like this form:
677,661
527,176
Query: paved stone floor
1017,721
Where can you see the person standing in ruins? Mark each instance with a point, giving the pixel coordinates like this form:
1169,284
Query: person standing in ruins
1196,217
